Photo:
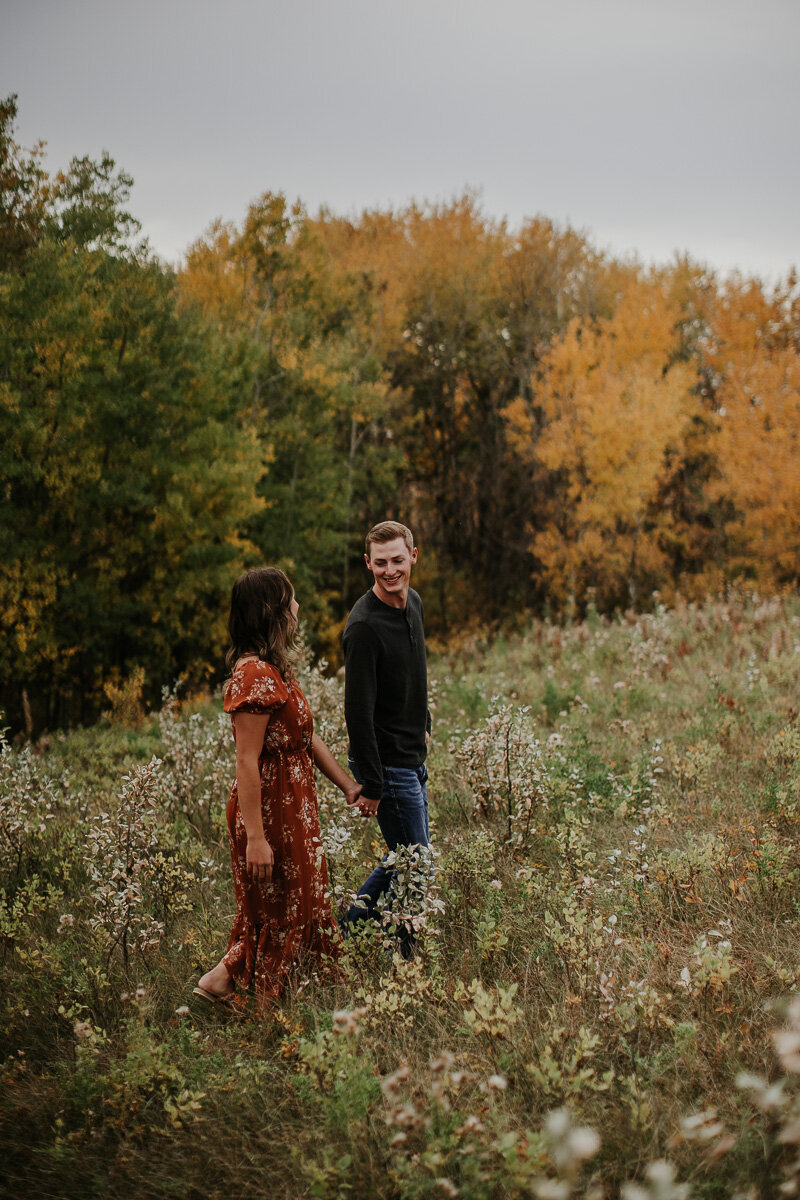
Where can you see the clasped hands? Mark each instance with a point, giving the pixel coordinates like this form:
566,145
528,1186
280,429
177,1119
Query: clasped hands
259,853
354,798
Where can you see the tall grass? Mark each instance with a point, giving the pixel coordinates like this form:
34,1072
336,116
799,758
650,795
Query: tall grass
608,945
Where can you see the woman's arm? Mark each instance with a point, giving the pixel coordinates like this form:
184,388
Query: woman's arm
250,730
330,767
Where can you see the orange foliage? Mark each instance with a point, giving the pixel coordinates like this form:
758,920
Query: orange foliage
614,406
653,436
753,350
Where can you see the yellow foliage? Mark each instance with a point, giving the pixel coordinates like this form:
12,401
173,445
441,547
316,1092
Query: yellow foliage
755,357
213,278
125,697
615,405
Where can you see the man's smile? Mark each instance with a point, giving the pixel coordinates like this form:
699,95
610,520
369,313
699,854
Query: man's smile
390,563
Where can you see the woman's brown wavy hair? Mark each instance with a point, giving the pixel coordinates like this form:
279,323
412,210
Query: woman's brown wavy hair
261,620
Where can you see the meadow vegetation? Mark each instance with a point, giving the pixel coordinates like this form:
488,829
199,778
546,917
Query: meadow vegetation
604,999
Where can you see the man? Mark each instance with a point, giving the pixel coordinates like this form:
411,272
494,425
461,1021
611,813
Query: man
386,705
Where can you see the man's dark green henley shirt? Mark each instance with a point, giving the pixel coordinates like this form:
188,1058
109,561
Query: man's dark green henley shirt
386,687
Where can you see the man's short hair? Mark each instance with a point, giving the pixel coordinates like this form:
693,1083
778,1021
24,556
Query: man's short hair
387,531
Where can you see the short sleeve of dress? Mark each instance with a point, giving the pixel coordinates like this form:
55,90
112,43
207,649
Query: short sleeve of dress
256,687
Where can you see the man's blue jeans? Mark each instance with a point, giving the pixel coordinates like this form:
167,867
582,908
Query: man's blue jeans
403,821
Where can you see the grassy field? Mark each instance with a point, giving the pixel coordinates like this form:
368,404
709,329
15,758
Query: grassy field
603,998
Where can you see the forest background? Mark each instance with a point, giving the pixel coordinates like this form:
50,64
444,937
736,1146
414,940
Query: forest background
559,427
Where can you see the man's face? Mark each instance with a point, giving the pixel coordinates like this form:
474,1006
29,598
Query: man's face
391,563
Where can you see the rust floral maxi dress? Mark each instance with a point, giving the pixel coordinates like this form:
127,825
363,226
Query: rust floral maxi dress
280,924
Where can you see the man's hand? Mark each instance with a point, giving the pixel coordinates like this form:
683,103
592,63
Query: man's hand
367,807
260,860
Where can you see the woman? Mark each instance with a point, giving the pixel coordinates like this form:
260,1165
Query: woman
279,873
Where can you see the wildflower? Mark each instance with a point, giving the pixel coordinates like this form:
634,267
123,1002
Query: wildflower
405,1116
183,1011
570,1145
552,1189
496,1083
347,1021
447,1187
662,1174
787,1047
583,1142
66,921
391,1084
496,884
82,1030
765,1096
472,1124
702,1126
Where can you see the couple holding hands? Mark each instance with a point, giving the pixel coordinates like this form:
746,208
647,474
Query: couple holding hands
283,913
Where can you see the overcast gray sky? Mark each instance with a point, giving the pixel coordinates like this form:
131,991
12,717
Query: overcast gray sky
653,125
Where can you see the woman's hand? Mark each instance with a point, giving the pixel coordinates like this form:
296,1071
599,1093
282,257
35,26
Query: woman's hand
260,860
352,791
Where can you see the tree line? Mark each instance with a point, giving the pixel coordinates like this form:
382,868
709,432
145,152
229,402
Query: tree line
557,426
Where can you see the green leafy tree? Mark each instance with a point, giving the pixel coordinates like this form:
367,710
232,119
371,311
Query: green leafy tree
125,481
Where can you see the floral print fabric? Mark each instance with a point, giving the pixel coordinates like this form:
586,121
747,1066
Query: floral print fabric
278,924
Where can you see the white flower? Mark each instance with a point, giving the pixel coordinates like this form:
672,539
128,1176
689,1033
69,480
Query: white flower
183,1011
392,1083
497,1083
447,1187
558,1122
661,1172
346,1021
765,1095
583,1142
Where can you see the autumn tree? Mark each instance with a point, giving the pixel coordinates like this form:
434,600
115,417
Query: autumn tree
449,364
753,354
305,374
615,404
481,307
